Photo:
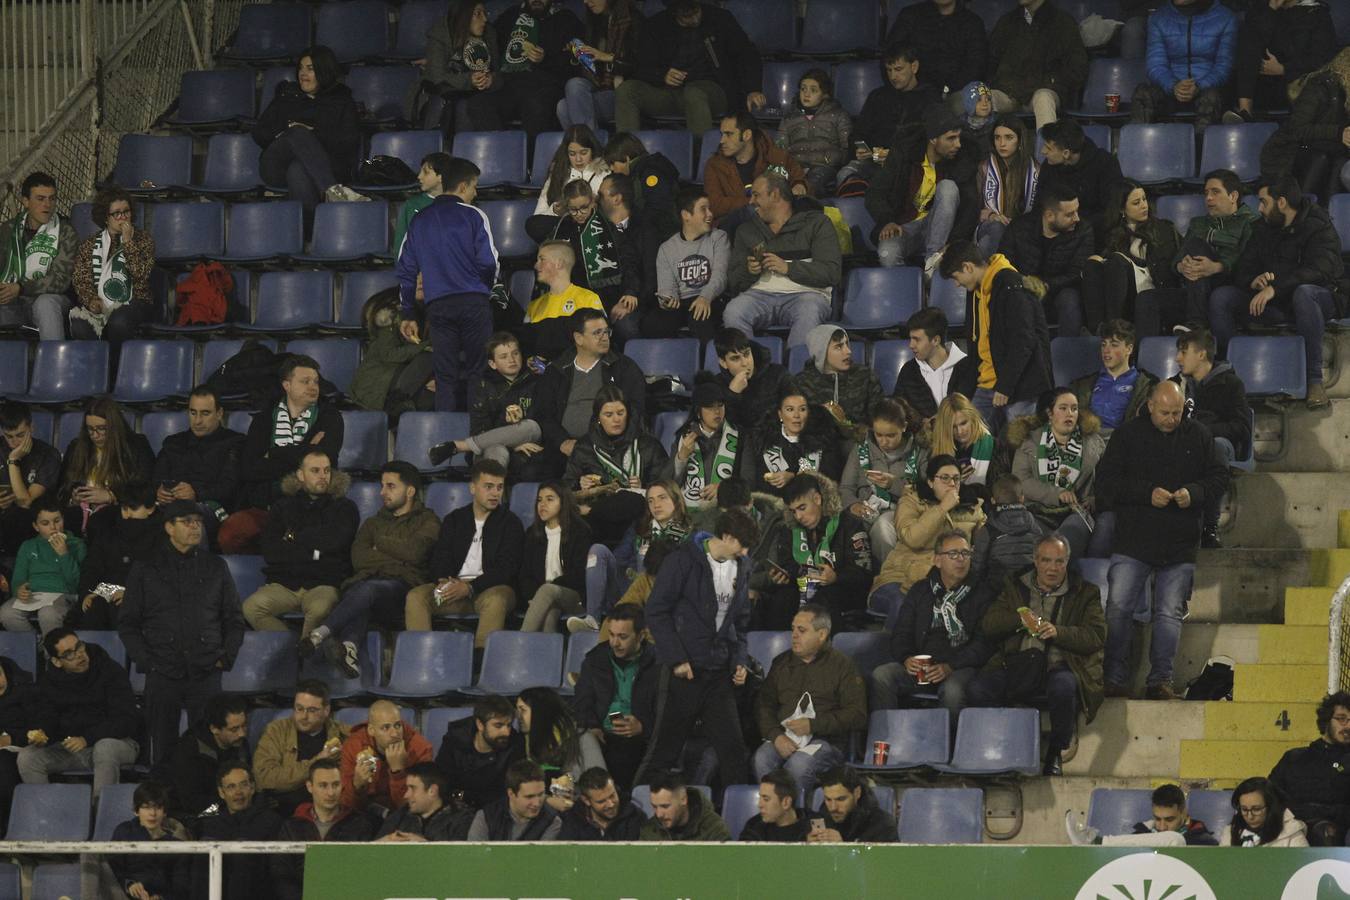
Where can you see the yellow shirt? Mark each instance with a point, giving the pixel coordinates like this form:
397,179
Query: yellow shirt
988,377
923,197
551,306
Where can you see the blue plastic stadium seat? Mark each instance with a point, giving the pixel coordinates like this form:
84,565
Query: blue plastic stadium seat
64,371
339,685
515,660
55,881
185,232
1340,216
415,19
218,351
780,84
523,496
292,301
1158,356
740,804
546,143
1074,357
154,370
1214,808
918,737
878,298
429,664
888,357
884,794
241,419
337,358
669,356
231,165
418,432
269,31
499,154
13,367
257,232
1105,76
771,25
867,649
358,29
666,425
110,641
1270,365
950,297
351,716
1158,153
214,97
676,146
1116,810
942,816
159,160
266,664
366,496
238,301
578,645
44,423
380,90
365,438
642,795
445,496
21,648
1179,209
272,78
409,146
797,357
11,882
507,220
853,81
996,741
357,288
436,720
258,720
114,804
859,221
348,232
50,812
840,26
1235,147
246,571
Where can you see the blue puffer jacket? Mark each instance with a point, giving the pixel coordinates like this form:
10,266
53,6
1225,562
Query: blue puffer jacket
1199,46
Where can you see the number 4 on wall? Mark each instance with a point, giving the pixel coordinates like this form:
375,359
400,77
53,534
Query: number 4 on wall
1282,720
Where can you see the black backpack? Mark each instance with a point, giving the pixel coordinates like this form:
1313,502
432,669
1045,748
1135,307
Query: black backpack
1215,681
385,171
252,374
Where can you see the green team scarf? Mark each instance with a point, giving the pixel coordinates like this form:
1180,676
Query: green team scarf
26,263
674,531
526,28
944,611
801,548
629,464
697,474
1060,466
865,462
776,461
287,431
110,271
597,253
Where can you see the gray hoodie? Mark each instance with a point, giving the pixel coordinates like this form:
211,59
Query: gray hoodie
690,269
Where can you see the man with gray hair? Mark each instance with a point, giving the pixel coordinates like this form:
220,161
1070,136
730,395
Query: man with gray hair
1048,632
785,264
811,699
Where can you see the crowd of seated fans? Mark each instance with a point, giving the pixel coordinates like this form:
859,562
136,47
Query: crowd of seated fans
957,511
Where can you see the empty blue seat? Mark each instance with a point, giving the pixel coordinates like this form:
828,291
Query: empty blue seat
1214,808
1236,147
840,26
859,221
669,356
152,163
578,645
996,741
409,146
436,720
445,496
888,357
64,371
1158,356
365,436
676,146
266,664
264,231
357,29
56,881
1116,810
546,143
1105,76
246,571
516,660
351,716
429,664
49,812
231,165
272,78
21,648
418,432
415,19
1270,365
270,31
184,232
950,297
523,495
214,97
380,90
291,301
115,807
877,298
867,649
1339,208
499,154
918,737
740,804
341,687
642,795
348,232
780,85
1158,153
240,419
337,358
765,646
507,219
219,350
1179,209
771,25
13,367
44,423
942,816
1074,357
853,81
357,288
366,496
154,370
666,425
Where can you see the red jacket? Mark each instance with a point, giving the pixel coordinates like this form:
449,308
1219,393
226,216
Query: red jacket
387,787
722,179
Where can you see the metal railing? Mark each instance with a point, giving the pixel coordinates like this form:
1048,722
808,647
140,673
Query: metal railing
1338,640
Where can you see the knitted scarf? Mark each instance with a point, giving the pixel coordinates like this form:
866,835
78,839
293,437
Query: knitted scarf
865,462
626,467
597,253
287,431
697,473
995,187
1060,466
26,263
944,611
822,554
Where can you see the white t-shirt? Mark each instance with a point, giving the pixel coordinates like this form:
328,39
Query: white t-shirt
553,553
473,560
724,583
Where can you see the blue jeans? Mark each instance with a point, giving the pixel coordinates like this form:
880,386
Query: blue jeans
890,684
988,236
583,104
924,236
298,161
460,325
605,581
1099,547
804,768
997,416
351,617
1126,579
45,312
1067,304
990,688
1308,310
755,310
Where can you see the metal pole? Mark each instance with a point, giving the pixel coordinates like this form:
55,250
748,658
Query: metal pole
191,34
215,872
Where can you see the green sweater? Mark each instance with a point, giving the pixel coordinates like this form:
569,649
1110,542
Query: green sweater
38,566
411,207
1228,235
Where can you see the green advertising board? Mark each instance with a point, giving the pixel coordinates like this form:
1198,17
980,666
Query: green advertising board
820,872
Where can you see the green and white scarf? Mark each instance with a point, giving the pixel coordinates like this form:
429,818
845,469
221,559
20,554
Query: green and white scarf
288,431
1060,466
911,473
944,611
628,466
597,253
697,473
776,461
821,555
673,531
525,28
26,263
110,271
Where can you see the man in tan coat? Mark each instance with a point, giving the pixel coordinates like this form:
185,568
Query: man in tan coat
290,745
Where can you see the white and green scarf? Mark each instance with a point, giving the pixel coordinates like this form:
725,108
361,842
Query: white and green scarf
802,551
111,280
628,466
288,431
26,263
598,254
697,473
944,611
776,461
911,473
1060,466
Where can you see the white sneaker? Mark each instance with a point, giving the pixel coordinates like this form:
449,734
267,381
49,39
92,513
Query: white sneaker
1080,835
339,193
577,624
930,266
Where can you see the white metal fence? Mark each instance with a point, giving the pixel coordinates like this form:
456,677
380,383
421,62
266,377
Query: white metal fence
1338,640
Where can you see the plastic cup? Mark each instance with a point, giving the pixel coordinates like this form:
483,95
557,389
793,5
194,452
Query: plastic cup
924,661
1112,102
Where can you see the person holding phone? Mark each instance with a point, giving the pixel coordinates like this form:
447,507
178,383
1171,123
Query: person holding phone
616,695
879,469
32,468
849,813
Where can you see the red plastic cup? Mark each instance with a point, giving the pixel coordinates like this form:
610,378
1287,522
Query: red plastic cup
881,751
924,662
1113,102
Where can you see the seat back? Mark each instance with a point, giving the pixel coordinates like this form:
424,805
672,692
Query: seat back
867,649
1214,808
156,426
642,796
338,358
266,664
272,78
109,641
853,81
409,146
1116,810
265,230
21,647
162,160
668,356
428,663
1157,153
771,25
859,220
666,425
514,660
888,357
1074,357
357,288
366,496
231,164
415,20
219,350
1158,356
339,685
740,804
49,812
1236,147
215,95
444,496
355,29
13,367
877,298
436,720
676,146
840,26
1179,209
994,741
507,219
258,720
68,370
1339,208
942,816
271,31
380,90
115,805
154,370
500,155
1270,365
917,737
418,432
351,716
1106,76
289,300
578,645
780,84
523,496
350,230
365,440
188,230
56,881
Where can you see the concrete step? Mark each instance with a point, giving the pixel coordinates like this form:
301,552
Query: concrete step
1271,721
1225,763
1274,683
1291,438
1307,606
1329,567
1308,504
1343,529
1247,585
1292,644
1136,738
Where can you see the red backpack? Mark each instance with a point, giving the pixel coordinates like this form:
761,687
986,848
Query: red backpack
201,297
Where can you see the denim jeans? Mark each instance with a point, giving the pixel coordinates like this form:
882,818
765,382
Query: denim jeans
756,310
105,756
605,581
804,768
45,312
1066,305
1126,579
890,684
583,104
997,416
298,161
990,688
988,236
1308,311
351,617
924,236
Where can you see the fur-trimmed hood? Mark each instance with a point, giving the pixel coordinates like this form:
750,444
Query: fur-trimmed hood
338,485
1023,427
830,504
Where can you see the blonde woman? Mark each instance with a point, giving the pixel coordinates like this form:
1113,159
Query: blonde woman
960,431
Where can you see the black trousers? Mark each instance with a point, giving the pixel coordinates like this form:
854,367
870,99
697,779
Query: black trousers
166,699
9,780
659,322
533,96
680,703
1109,293
623,756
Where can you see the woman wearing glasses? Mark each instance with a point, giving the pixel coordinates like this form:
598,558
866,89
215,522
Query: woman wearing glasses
1260,819
102,461
112,274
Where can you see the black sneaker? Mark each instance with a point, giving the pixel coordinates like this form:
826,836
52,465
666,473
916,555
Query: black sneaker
441,452
1209,538
1237,117
305,648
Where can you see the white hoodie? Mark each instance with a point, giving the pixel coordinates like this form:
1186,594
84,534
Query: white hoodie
938,379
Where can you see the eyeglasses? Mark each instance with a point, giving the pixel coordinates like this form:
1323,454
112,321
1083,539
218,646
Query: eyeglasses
603,332
948,479
119,214
581,210
1251,810
1341,720
957,554
97,429
72,653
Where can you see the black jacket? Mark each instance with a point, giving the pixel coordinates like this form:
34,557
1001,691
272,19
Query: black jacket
595,688
576,543
246,876
734,60
263,466
19,707
1139,458
288,869
181,614
755,831
867,824
114,545
481,777
682,612
817,448
746,409
1302,38
95,704
495,394
913,389
442,825
585,458
1162,243
189,770
655,181
951,48
556,384
1316,120
886,111
1219,402
627,279
1019,340
576,824
890,195
916,633
331,114
210,464
1315,782
1057,261
558,26
503,540
307,541
850,549
142,467
1095,176
1306,252
164,875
